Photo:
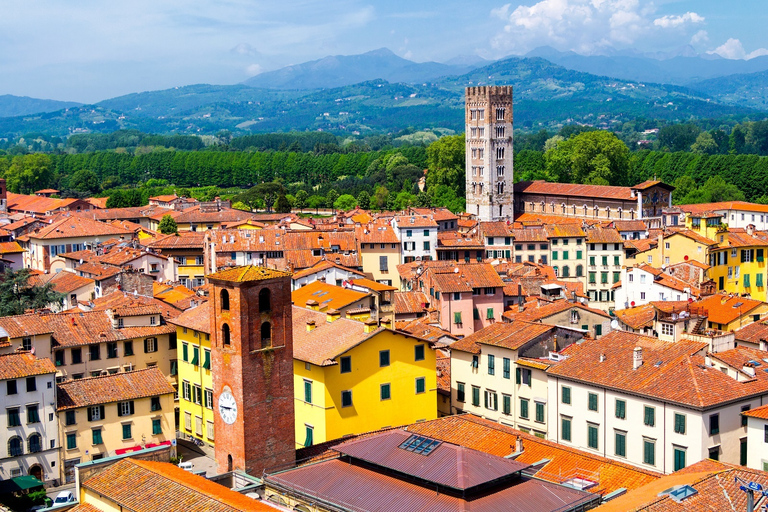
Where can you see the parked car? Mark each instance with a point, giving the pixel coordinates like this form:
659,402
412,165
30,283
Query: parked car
64,497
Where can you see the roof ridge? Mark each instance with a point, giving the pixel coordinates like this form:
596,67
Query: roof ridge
96,377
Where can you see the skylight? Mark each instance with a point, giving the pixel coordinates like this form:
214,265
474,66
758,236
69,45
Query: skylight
420,444
679,492
756,363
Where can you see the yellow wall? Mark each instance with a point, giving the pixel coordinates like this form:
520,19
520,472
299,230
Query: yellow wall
100,502
734,284
112,431
709,228
370,261
194,375
679,247
368,412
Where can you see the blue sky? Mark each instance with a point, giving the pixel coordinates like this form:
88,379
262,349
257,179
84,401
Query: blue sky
91,50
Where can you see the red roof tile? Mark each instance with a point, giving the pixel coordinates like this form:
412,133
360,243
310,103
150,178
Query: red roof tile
112,388
24,364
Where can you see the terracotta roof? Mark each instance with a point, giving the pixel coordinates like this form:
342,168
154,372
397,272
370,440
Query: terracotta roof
637,317
182,240
112,388
375,233
539,219
66,282
727,205
692,235
603,235
118,300
372,285
740,238
98,271
463,278
24,364
564,231
422,328
534,312
85,507
148,486
328,296
724,309
758,412
409,302
452,239
511,336
563,462
98,202
753,333
415,221
537,234
197,318
574,189
629,225
77,226
672,372
165,198
494,228
443,365
10,248
247,273
196,215
437,213
36,204
321,265
663,278
410,271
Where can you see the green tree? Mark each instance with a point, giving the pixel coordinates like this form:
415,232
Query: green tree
714,190
422,200
29,173
301,199
684,185
345,202
597,157
263,192
167,225
282,205
705,144
364,200
240,206
446,162
85,180
17,295
379,199
331,198
678,137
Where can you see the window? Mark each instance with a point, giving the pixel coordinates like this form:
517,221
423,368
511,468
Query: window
408,233
475,361
489,314
185,352
679,423
125,408
127,434
426,245
476,396
539,412
565,394
385,392
679,458
209,430
418,353
31,384
71,440
94,352
714,453
649,418
621,409
207,359
592,401
32,414
346,364
157,428
668,329
112,350
506,364
225,334
491,400
621,444
197,394
308,391
460,393
524,408
565,429
128,348
383,358
96,436
744,419
592,436
155,404
491,364
150,345
421,385
649,452
309,436
714,424
346,398
185,387
265,300
13,417
224,300
96,413
208,395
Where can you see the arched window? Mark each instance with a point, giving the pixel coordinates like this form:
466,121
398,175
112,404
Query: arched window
35,443
15,446
557,271
566,271
264,300
229,463
224,300
225,334
579,271
266,335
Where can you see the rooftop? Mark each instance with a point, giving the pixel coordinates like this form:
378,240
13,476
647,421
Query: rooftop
502,334
198,318
247,273
328,296
112,388
24,364
724,309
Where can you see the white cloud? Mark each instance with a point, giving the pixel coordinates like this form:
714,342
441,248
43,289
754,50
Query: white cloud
733,49
672,21
244,49
253,70
700,37
586,26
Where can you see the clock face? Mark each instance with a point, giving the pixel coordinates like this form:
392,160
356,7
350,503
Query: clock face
227,407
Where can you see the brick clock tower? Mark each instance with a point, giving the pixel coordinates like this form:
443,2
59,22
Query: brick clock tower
252,363
489,172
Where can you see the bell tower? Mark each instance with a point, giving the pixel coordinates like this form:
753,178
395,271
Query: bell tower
252,364
489,172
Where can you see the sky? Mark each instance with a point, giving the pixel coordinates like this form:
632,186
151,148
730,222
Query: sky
92,50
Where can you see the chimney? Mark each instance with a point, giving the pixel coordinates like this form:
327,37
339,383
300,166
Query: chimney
661,247
332,315
637,358
520,297
313,305
555,343
749,369
311,326
370,325
602,357
385,322
750,229
519,444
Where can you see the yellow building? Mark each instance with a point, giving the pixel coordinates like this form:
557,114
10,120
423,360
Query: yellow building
115,414
352,377
379,252
187,249
677,247
730,313
193,328
708,224
335,300
738,263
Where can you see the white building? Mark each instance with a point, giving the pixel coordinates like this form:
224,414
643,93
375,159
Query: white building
757,437
643,284
29,428
654,404
418,237
324,270
737,214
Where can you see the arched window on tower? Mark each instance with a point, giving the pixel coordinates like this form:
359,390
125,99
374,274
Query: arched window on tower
265,301
266,335
15,446
225,334
224,300
35,443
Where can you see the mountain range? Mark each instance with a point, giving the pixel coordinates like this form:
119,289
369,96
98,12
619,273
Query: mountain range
379,91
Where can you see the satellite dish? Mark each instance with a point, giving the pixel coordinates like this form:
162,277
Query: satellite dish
615,324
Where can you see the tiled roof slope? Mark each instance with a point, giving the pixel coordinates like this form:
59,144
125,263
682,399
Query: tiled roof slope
24,364
724,309
148,486
753,333
534,312
77,226
198,318
112,388
248,273
574,189
502,334
672,372
328,296
759,412
410,302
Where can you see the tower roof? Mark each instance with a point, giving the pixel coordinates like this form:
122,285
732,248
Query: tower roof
248,273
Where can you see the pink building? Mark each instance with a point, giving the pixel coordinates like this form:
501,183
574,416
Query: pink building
467,297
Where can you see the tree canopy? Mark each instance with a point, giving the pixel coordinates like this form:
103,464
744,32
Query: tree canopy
167,225
17,295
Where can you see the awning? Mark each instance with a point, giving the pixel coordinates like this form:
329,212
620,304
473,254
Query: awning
20,483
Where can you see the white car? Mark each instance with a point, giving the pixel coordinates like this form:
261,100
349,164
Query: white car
64,497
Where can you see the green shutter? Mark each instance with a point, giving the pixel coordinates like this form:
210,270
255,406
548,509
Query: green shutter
621,409
616,261
308,392
566,428
760,255
457,317
679,424
506,404
578,255
195,356
604,277
539,412
524,408
309,439
679,459
566,394
621,444
489,312
650,416
207,360
592,261
565,255
476,314
517,377
605,261
592,278
592,402
184,352
759,280
747,284
598,329
475,396
554,255
649,453
592,437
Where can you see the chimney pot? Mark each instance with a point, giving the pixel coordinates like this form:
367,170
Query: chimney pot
519,444
637,358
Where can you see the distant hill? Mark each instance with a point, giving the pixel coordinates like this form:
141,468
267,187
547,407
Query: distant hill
546,95
22,105
749,89
341,70
681,69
